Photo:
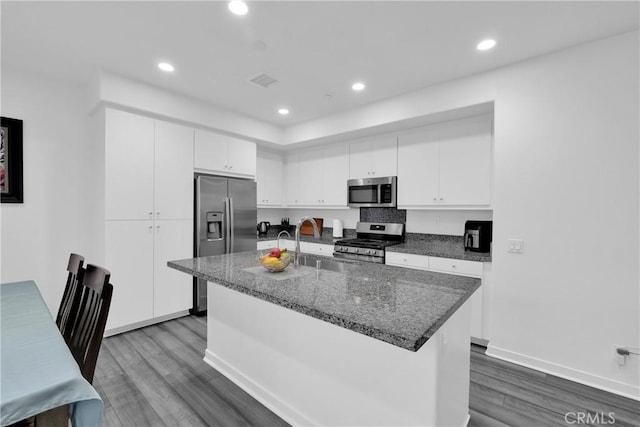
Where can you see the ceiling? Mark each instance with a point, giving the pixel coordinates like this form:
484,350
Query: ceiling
316,49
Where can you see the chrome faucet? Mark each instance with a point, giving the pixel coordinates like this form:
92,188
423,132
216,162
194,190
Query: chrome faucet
315,234
280,234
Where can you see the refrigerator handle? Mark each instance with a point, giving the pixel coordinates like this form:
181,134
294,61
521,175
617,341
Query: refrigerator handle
232,234
227,225
197,218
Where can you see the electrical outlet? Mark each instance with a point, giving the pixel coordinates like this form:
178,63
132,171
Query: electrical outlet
437,220
620,359
515,246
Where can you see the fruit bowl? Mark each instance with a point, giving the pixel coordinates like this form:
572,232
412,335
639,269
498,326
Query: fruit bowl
275,260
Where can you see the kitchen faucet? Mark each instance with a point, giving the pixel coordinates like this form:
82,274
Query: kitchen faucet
280,234
315,234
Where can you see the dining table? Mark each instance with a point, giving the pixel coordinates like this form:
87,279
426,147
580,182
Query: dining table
38,371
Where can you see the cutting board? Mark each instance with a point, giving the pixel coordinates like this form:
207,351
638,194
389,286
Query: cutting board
307,228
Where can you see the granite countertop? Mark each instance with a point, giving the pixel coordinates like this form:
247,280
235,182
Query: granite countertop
326,238
435,245
400,306
438,246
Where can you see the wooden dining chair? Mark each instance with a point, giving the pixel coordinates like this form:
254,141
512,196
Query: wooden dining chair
89,313
74,267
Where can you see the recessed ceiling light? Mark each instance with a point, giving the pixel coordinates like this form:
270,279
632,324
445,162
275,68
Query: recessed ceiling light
283,111
486,44
238,7
165,66
357,86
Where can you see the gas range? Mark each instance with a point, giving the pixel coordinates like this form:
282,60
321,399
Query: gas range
371,241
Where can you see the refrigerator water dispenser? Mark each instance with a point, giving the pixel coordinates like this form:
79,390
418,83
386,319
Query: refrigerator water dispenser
214,225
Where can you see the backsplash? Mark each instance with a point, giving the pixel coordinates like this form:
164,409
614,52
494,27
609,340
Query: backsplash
427,221
383,215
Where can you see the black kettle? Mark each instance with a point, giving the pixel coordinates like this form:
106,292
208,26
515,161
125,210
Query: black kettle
263,227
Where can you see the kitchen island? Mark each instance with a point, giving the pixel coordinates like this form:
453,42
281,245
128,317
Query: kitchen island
343,344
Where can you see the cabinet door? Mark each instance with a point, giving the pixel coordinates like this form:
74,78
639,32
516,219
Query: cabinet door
128,165
173,171
129,258
242,157
335,173
465,163
360,159
310,182
384,156
418,168
269,170
292,179
172,289
210,151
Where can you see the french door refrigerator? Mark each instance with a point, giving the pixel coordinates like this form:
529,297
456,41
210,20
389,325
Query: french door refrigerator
225,222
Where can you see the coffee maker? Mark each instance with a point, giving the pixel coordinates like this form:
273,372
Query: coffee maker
477,236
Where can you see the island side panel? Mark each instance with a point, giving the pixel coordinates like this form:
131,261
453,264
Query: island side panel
311,372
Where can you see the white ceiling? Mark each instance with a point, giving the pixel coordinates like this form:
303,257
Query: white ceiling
314,48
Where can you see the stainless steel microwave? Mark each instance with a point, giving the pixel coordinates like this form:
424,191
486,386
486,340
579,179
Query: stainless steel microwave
372,192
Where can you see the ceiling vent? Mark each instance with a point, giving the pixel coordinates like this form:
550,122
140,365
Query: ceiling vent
263,80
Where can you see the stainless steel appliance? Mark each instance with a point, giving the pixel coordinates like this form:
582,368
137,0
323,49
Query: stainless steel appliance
371,240
478,236
263,227
372,192
225,220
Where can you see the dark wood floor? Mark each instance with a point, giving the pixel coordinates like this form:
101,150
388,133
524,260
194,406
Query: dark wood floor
504,394
155,376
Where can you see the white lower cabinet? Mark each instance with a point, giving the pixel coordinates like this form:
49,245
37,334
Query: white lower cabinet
129,257
305,247
479,320
144,288
172,289
316,248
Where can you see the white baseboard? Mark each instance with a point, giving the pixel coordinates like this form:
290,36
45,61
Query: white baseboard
255,390
575,375
138,325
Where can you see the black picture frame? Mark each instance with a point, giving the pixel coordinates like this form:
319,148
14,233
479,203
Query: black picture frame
11,160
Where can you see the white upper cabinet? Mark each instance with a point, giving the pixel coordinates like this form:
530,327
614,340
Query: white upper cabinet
373,157
129,140
269,178
335,173
465,162
292,179
317,177
310,177
173,171
446,165
242,157
224,154
148,168
418,167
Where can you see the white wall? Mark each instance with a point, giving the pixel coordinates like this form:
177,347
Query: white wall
566,181
58,215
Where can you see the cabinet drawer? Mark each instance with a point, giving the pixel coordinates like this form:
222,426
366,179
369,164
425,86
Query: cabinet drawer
316,248
266,244
407,260
456,266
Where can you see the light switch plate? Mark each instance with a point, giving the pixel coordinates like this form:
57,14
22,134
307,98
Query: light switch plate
515,246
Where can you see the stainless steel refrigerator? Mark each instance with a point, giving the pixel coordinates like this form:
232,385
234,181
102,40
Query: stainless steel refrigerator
225,222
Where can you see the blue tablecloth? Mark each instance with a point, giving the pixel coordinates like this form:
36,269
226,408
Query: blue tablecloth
38,372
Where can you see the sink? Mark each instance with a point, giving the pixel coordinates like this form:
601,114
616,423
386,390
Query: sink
325,264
